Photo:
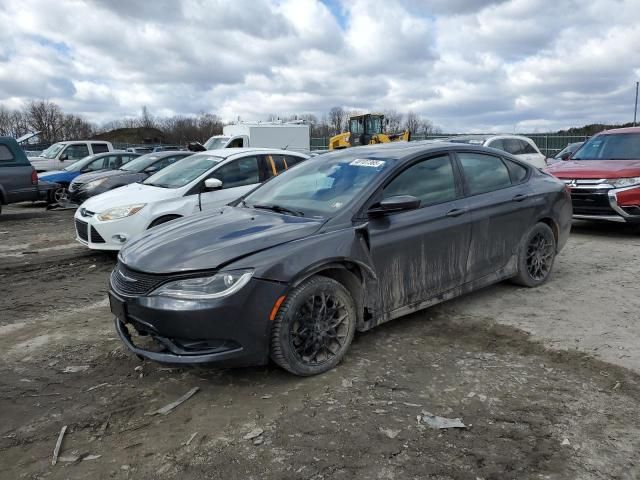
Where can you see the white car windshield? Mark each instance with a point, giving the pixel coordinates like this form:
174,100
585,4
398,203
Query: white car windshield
216,142
183,171
53,150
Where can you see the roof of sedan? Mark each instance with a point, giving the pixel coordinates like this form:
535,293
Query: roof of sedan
397,150
229,151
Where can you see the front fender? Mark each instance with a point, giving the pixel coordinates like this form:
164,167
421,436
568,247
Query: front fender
293,260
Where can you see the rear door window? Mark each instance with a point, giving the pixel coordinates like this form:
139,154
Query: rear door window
484,173
239,172
76,151
432,181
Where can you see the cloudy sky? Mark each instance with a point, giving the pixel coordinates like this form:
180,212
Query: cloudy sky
468,65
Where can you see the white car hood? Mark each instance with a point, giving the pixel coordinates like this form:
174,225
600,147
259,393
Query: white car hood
130,195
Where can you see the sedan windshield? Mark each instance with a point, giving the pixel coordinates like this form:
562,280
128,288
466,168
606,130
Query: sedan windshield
621,146
141,163
183,171
216,142
318,187
53,150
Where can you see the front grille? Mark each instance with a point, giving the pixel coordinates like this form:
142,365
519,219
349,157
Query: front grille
590,197
586,202
81,229
95,236
129,282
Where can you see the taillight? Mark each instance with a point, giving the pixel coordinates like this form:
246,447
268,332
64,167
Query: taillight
34,177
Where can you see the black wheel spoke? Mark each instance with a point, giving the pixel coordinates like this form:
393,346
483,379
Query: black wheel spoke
318,333
539,257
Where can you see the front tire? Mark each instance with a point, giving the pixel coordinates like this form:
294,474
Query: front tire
57,195
314,327
536,257
161,220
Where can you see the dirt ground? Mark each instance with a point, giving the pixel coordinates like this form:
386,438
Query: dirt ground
546,380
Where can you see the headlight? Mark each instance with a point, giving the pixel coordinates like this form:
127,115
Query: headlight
95,183
624,182
219,285
119,212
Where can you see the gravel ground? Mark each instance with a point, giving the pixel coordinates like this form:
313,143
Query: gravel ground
545,380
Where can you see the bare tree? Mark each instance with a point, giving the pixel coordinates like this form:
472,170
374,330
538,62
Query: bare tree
393,120
336,120
412,123
46,117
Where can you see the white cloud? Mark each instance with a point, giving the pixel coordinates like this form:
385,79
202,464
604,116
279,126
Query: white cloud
468,65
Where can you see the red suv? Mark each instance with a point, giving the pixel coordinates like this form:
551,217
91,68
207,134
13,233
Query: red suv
604,176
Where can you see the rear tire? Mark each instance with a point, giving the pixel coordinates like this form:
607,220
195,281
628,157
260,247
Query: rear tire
314,327
536,257
161,220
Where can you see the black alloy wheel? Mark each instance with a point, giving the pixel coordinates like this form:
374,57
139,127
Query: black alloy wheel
537,255
314,327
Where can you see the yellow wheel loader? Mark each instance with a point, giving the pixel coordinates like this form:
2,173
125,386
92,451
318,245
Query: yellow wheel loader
366,129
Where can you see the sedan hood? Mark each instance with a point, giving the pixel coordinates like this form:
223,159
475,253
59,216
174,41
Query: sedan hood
211,240
88,177
595,169
50,173
128,195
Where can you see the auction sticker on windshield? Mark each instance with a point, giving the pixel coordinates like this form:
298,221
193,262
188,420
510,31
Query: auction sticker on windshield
361,162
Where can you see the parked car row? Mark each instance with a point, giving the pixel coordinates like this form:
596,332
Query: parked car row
241,255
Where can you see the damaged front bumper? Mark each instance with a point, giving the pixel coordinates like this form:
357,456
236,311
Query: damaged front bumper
231,331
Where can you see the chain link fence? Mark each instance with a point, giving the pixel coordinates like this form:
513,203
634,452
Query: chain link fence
549,144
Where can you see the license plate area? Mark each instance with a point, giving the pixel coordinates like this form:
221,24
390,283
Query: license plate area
118,307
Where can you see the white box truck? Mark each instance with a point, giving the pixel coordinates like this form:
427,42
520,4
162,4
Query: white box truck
289,136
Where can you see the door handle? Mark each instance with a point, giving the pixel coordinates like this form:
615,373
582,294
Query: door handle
520,197
456,212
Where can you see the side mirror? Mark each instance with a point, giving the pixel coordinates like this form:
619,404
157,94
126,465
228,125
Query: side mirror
64,156
565,156
212,184
397,203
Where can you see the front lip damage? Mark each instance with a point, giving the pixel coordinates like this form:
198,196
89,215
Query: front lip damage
176,354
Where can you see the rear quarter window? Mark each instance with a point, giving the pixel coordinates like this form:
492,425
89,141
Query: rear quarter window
6,155
99,147
517,172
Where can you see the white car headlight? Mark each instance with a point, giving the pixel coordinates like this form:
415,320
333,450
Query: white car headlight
119,212
624,182
219,285
95,183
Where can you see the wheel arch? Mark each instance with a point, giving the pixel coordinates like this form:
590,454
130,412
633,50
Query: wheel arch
348,273
551,223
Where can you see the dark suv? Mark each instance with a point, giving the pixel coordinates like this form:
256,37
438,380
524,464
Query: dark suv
18,179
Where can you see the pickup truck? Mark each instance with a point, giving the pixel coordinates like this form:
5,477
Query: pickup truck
62,154
18,178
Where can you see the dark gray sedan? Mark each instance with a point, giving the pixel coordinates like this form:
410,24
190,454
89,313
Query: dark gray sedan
338,244
91,184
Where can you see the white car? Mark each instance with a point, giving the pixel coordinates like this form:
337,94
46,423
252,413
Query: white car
199,182
521,147
62,154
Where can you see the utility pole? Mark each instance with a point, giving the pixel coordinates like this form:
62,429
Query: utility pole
635,111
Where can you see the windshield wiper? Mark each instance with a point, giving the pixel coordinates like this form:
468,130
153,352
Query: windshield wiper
155,184
279,209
